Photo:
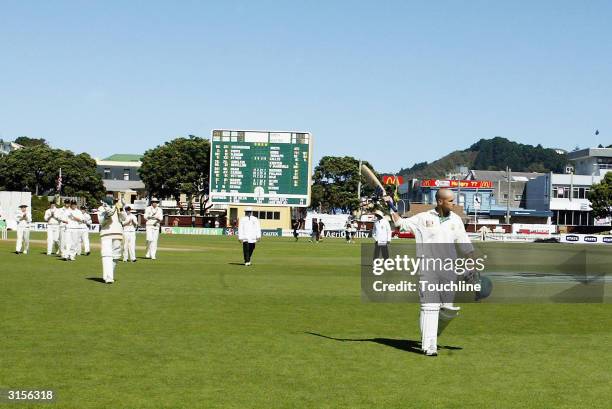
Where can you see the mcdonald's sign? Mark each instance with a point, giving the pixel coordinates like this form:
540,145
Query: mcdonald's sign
392,179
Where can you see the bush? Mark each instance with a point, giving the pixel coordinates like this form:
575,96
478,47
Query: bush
39,205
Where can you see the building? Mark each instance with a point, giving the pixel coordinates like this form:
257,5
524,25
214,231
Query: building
7,147
591,161
120,175
509,196
566,195
270,217
485,197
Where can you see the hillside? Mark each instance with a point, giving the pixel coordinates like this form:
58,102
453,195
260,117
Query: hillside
491,154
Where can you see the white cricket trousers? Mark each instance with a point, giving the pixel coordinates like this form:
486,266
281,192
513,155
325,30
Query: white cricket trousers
23,240
75,242
129,245
84,241
52,238
111,252
65,242
152,237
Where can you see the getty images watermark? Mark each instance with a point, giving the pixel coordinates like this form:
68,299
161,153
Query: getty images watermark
487,272
436,274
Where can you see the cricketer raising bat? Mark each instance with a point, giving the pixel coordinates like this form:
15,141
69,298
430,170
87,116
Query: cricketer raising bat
372,181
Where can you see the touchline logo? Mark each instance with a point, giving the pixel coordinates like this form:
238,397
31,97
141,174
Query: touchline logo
590,239
572,238
607,239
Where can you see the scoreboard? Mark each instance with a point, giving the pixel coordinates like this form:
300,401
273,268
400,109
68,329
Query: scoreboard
260,168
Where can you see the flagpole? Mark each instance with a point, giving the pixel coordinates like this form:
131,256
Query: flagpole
59,187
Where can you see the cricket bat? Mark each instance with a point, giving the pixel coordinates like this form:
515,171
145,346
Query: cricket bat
373,182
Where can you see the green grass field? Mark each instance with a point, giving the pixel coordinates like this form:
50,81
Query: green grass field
195,329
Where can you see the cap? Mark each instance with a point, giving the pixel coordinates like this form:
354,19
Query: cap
248,209
379,213
22,206
66,201
154,200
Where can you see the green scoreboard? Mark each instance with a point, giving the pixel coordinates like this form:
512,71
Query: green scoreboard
260,168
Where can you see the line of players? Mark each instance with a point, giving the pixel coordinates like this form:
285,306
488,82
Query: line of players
68,230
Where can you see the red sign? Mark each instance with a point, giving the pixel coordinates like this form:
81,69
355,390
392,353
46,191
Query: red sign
391,180
463,184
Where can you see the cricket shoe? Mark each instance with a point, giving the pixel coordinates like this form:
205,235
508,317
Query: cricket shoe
431,352
248,263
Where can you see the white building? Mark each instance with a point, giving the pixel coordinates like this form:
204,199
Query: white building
566,194
7,147
120,175
591,161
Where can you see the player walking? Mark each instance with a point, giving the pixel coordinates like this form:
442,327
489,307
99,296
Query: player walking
23,220
64,237
129,235
153,216
84,233
111,234
75,219
432,230
53,223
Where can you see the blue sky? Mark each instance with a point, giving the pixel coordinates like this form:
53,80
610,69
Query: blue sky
391,82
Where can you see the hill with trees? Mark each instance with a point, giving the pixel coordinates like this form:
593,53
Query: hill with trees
492,154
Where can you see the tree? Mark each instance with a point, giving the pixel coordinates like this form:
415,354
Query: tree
35,169
498,153
31,142
179,166
335,184
600,196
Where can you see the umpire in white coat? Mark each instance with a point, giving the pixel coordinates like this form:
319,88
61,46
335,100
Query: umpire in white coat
53,222
249,233
153,216
111,235
382,235
23,220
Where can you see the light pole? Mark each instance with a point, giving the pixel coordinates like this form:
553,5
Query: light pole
509,175
359,190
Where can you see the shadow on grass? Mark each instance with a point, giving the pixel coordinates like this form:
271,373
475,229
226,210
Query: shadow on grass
406,345
96,279
236,264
